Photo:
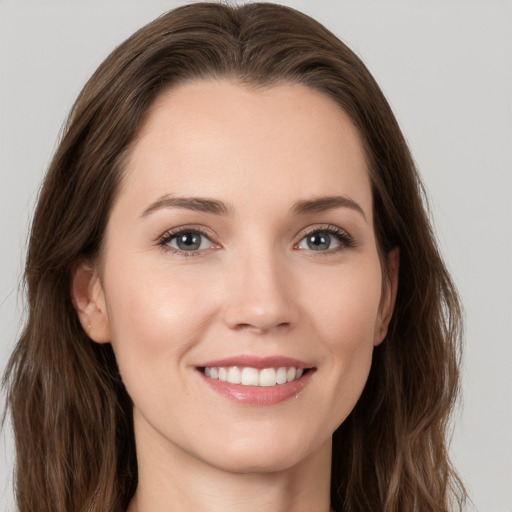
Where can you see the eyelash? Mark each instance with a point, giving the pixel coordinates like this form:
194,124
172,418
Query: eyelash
165,240
345,240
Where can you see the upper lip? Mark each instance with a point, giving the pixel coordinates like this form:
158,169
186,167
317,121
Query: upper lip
248,361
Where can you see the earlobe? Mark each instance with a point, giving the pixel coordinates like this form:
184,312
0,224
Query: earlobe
390,290
89,302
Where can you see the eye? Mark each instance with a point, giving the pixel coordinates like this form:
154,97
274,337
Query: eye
319,241
188,240
326,239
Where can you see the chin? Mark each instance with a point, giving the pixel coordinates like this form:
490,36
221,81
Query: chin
264,455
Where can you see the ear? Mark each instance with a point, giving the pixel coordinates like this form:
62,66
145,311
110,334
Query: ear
387,303
89,301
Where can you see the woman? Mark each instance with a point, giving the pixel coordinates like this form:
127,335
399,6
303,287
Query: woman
235,296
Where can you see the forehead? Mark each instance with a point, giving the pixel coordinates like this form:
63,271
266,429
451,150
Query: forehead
214,138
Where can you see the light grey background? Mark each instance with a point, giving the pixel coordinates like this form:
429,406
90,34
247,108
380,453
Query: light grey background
445,66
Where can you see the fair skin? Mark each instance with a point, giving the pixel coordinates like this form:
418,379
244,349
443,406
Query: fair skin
242,236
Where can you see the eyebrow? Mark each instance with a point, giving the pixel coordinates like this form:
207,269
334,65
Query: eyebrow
198,204
323,204
205,205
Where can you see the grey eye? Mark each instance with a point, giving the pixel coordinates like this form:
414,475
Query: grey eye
189,241
319,241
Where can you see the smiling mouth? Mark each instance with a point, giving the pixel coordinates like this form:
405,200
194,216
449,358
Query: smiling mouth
248,376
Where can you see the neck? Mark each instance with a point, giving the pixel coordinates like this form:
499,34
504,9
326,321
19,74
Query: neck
172,480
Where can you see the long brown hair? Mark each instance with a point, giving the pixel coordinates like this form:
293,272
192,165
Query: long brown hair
71,415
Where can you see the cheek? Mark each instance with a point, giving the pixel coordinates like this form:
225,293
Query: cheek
344,318
346,310
156,315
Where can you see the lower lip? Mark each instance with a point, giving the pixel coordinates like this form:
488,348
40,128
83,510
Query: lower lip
258,395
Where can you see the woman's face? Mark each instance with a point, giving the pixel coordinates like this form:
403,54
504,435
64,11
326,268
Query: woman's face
241,247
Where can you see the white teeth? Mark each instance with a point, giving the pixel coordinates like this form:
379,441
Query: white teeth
234,375
290,374
252,377
281,376
267,377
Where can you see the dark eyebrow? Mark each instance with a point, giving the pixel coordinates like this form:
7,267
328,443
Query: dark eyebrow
323,204
198,204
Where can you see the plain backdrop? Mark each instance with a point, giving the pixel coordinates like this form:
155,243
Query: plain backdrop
446,68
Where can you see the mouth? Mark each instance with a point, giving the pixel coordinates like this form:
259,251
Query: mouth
249,376
257,381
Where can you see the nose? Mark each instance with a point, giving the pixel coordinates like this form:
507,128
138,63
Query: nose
261,295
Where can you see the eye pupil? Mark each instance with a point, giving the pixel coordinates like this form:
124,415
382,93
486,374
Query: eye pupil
319,241
189,241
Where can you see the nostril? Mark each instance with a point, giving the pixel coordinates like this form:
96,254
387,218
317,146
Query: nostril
260,328
259,314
